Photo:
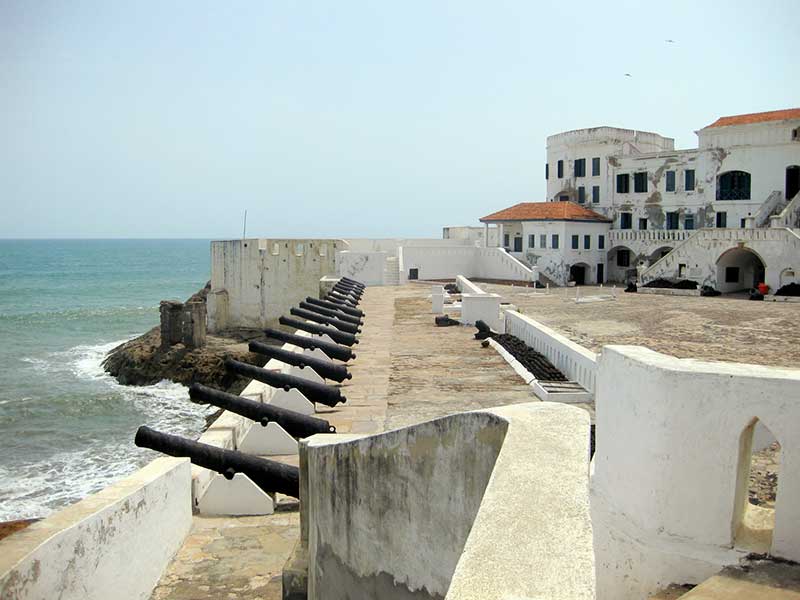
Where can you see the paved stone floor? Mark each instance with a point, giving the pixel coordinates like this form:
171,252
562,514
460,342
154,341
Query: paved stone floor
406,371
721,328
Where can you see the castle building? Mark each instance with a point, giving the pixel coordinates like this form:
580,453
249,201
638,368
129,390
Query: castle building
730,205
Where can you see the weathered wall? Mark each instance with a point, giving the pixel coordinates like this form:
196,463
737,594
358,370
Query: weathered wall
415,513
555,263
663,494
255,281
115,543
475,235
366,267
470,261
391,245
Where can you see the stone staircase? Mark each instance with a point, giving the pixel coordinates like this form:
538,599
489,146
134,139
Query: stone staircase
391,271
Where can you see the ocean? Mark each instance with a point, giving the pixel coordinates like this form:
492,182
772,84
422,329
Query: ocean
66,428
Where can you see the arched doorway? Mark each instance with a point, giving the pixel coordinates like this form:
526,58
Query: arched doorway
658,254
792,181
580,273
622,263
739,269
733,185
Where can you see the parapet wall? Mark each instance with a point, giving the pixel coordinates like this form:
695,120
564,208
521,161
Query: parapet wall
469,261
428,511
255,281
115,543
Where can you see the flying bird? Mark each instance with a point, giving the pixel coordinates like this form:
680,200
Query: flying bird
628,75
670,41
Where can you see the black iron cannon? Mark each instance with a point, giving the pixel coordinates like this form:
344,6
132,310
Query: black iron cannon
313,391
323,368
323,320
340,337
334,296
334,306
269,475
331,313
332,350
353,282
345,289
296,424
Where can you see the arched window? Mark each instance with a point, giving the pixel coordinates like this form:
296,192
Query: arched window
733,185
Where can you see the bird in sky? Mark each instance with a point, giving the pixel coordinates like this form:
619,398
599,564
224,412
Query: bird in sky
670,41
628,75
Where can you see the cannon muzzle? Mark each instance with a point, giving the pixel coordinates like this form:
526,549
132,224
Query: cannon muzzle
335,296
332,350
323,320
296,424
323,368
315,392
347,290
331,313
353,282
333,306
269,475
340,337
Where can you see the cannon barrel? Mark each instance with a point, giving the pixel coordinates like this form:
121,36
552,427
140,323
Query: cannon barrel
296,424
353,282
332,350
346,289
331,313
323,368
333,306
323,320
315,392
340,337
269,475
334,296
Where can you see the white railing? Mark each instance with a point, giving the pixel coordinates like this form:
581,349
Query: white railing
573,360
464,285
767,209
789,216
619,236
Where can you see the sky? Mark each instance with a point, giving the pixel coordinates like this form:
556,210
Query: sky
169,119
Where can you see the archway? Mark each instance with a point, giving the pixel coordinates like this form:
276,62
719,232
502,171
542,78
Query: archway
739,269
733,185
658,254
621,262
580,273
792,181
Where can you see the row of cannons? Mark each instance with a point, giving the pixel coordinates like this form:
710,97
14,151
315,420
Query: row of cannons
333,322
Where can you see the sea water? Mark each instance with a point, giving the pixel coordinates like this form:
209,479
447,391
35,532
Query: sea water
66,427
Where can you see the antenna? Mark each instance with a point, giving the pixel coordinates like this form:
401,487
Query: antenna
244,228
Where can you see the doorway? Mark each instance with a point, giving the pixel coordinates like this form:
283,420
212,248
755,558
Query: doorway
792,181
600,273
577,273
518,244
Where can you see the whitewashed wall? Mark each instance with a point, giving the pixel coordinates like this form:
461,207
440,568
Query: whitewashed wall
447,263
667,464
113,544
366,267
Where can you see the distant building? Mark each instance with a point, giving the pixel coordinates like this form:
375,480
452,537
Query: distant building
739,187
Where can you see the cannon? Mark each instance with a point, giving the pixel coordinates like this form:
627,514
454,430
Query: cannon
335,296
323,320
354,312
295,424
331,313
313,391
340,337
323,368
332,350
348,290
269,475
352,282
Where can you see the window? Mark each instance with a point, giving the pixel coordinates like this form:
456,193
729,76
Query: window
722,220
731,274
554,241
587,242
743,223
543,241
672,220
642,224
601,242
575,242
623,257
581,195
623,183
625,220
546,171
681,271
413,273
531,241
505,240
595,194
580,167
560,169
670,181
688,222
639,182
596,166
733,185
688,180
563,198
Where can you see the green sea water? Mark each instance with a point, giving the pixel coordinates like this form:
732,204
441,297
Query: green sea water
66,428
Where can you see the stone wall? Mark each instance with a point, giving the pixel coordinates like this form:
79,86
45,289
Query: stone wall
183,323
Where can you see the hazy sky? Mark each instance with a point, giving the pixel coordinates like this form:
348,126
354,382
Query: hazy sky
168,119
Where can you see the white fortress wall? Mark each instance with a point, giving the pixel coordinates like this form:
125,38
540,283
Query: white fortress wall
255,281
365,266
469,261
670,470
115,543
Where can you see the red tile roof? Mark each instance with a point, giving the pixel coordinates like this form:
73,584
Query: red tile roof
762,117
546,211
